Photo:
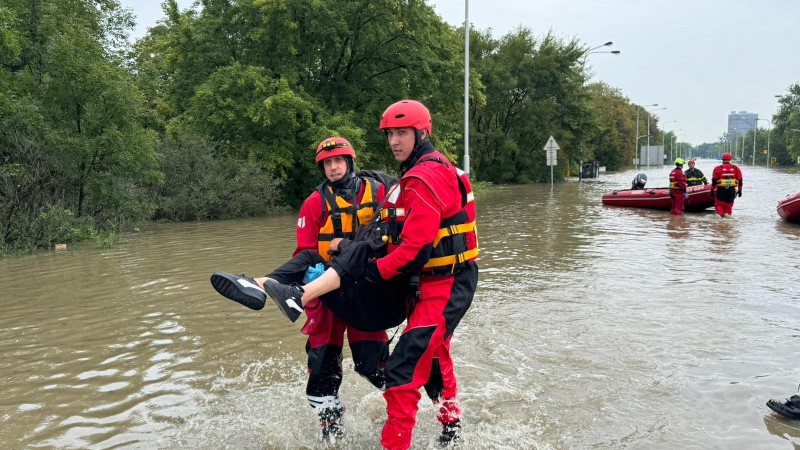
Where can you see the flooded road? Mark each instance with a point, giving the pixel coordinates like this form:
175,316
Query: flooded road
592,327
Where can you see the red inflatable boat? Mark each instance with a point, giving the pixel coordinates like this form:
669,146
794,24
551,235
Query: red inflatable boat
789,208
700,198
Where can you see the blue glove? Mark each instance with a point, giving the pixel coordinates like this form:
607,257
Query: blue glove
686,196
313,273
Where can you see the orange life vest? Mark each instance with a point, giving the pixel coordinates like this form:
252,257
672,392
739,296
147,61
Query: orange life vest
345,218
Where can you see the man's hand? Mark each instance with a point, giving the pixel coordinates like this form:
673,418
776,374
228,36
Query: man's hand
335,244
739,193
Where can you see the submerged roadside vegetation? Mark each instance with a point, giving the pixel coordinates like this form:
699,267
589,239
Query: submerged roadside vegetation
214,113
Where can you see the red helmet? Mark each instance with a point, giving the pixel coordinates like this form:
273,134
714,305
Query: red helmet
334,146
726,157
691,161
407,113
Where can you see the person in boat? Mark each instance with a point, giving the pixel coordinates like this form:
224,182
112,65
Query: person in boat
790,408
694,177
726,185
433,207
328,220
677,188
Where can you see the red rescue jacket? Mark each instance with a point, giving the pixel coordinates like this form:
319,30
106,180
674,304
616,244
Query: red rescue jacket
726,175
677,180
430,218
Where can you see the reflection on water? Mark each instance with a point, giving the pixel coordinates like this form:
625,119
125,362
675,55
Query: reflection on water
593,327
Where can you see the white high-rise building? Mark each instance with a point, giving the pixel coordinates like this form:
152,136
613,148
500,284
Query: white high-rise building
742,122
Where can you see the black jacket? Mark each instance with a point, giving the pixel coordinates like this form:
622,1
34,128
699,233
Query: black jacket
695,177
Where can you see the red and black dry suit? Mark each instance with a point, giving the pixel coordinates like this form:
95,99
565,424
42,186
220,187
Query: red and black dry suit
317,224
430,217
726,180
677,190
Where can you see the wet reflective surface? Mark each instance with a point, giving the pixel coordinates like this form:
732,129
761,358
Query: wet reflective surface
593,327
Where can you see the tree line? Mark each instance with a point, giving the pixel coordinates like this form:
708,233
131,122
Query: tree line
215,113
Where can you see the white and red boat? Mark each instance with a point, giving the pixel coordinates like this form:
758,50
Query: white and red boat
789,208
700,198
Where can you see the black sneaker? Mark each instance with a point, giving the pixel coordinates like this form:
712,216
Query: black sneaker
239,288
287,297
451,434
789,409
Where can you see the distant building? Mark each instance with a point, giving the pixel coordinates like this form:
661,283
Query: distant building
742,122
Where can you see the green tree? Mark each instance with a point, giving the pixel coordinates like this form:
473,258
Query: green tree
532,91
280,75
611,127
71,111
786,142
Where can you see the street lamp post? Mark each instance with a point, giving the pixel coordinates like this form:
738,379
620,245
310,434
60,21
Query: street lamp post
672,147
736,142
636,144
755,135
648,135
592,50
466,86
664,134
743,136
583,63
613,52
769,134
672,144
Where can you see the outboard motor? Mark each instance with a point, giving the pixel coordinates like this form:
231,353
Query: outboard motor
639,181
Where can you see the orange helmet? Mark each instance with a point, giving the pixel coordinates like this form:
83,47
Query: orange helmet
334,146
407,113
726,157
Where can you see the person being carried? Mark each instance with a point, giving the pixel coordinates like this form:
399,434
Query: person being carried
328,219
677,188
428,224
694,177
726,185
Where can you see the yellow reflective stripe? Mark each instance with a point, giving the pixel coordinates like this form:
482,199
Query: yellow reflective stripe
451,260
728,182
398,212
453,230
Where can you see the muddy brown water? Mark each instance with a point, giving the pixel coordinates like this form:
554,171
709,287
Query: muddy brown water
592,327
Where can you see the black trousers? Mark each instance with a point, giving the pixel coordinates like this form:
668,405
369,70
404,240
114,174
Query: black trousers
366,305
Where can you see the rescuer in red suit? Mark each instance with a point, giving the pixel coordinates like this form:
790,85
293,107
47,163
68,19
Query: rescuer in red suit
340,205
433,217
726,185
677,188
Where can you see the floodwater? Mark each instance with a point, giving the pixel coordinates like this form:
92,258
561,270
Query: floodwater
592,327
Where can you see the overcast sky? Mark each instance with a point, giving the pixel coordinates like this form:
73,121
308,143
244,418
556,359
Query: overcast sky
701,59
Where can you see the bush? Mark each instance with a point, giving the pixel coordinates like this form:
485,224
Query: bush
201,186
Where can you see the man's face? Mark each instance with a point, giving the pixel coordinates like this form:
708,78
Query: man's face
401,140
691,165
335,167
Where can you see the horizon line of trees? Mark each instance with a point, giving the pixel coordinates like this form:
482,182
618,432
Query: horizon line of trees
215,113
